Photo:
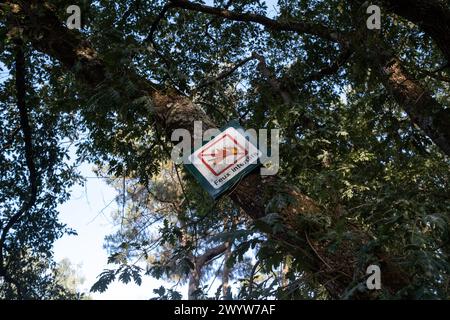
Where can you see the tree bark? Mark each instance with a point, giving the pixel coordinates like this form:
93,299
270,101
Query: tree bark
423,110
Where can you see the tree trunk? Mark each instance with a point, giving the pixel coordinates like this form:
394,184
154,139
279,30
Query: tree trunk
423,110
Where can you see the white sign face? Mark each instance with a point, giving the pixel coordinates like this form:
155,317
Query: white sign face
224,157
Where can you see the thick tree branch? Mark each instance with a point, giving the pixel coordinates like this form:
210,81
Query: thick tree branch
210,254
155,23
199,263
32,179
314,29
423,110
422,14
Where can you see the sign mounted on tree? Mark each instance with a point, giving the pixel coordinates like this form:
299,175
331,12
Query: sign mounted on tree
221,163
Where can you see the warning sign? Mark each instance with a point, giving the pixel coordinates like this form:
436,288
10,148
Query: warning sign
222,154
224,160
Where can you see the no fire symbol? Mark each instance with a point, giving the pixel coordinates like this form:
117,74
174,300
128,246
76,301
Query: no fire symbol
223,160
222,154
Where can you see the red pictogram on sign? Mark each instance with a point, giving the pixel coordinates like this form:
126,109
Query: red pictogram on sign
222,154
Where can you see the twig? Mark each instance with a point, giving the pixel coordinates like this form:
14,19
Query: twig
318,255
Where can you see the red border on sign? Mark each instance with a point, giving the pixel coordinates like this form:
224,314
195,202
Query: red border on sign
200,155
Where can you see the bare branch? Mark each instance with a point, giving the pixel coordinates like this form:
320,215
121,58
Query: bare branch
422,108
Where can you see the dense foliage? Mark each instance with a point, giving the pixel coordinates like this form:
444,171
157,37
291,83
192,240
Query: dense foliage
346,143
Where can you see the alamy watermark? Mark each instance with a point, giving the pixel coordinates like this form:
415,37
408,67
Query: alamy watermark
74,20
374,20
